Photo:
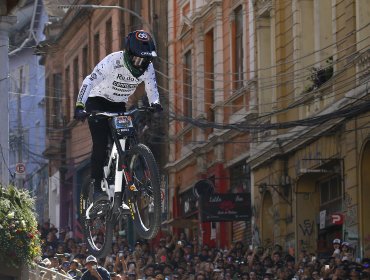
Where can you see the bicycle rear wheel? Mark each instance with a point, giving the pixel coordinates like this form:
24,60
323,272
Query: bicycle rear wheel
98,226
145,201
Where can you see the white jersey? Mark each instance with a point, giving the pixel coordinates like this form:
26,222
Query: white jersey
112,80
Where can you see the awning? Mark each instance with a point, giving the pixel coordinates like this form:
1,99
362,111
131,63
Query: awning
181,223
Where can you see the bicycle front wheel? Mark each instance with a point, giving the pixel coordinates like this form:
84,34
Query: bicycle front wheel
97,224
145,201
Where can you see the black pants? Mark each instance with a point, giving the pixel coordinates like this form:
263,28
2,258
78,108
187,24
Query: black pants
100,133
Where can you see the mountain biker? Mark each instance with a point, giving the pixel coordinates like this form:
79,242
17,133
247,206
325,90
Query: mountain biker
108,88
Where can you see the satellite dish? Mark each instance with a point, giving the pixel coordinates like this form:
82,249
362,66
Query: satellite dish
203,187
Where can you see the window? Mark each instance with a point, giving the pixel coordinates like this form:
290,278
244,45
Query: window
48,102
240,182
85,61
76,86
188,203
57,98
108,36
187,86
96,48
19,80
238,49
66,91
240,178
330,190
209,77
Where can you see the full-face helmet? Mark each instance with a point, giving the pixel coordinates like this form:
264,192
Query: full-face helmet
139,51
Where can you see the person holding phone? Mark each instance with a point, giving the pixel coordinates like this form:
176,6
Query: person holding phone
94,271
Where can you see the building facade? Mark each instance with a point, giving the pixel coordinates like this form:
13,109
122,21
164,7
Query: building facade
27,105
75,42
311,151
211,80
8,19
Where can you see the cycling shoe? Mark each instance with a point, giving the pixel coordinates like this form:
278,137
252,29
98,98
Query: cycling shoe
100,196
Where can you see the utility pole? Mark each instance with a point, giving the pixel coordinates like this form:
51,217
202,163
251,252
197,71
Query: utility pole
5,23
20,176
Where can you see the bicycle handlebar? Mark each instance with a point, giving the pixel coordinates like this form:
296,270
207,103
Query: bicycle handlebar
127,113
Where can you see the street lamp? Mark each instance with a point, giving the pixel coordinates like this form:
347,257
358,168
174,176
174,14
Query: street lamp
113,7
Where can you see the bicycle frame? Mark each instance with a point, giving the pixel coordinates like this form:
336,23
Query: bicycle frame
117,157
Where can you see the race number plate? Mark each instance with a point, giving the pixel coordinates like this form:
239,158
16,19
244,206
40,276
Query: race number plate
122,122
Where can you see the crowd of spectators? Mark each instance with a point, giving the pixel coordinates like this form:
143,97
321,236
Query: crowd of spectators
178,258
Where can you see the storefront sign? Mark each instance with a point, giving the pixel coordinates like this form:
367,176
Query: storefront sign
225,207
337,219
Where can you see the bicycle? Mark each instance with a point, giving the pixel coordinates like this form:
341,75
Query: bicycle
131,177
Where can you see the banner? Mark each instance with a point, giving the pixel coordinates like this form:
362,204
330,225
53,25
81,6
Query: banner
219,207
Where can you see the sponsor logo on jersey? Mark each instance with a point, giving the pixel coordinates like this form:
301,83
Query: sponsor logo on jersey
124,85
99,72
93,76
122,90
121,94
118,64
82,92
125,78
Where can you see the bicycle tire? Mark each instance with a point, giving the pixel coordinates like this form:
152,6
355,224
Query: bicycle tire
90,235
146,222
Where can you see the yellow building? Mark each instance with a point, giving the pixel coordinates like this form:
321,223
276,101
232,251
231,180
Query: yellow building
311,152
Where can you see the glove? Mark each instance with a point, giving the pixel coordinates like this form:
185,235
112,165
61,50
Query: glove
157,107
80,114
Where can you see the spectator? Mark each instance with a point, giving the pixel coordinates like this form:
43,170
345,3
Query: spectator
66,266
346,254
115,276
62,235
132,275
149,271
73,271
45,230
94,270
46,263
51,240
54,263
151,261
336,246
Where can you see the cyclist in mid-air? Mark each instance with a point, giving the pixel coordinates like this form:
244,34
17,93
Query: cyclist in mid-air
108,88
